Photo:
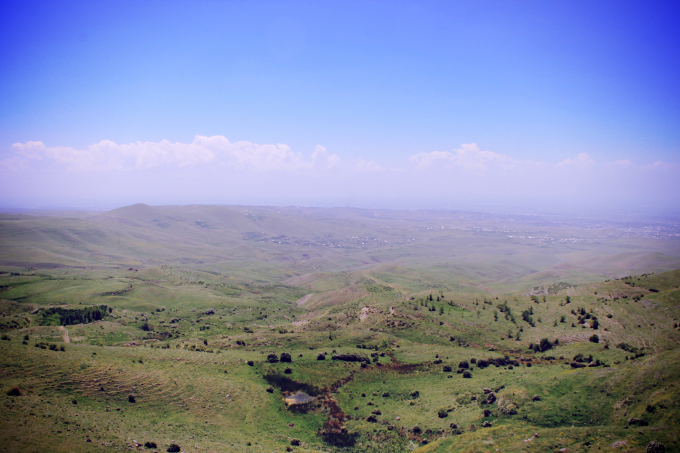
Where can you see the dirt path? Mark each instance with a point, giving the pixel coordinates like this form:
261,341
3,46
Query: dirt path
302,300
66,338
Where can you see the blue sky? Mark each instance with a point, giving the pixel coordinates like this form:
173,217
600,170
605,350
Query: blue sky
381,92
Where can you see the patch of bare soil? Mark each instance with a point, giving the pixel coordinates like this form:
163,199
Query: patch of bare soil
302,300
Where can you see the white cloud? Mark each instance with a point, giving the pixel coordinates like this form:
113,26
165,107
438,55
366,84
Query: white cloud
661,165
13,164
151,154
424,160
213,169
96,157
30,149
469,157
582,160
473,165
321,158
108,155
362,165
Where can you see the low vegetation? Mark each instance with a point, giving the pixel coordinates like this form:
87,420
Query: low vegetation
279,349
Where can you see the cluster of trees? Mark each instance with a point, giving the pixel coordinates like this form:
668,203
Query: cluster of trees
583,315
536,300
544,345
438,297
432,307
503,308
526,315
383,344
67,316
50,346
285,357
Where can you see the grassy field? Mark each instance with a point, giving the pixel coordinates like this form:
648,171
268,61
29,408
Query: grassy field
422,332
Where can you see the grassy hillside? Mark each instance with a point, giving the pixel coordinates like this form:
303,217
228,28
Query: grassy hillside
459,338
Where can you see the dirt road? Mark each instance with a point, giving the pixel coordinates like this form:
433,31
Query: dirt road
66,338
302,300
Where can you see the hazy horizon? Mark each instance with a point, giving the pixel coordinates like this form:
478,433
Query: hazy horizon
642,217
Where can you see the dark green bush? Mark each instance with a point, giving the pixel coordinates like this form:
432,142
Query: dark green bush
14,391
543,346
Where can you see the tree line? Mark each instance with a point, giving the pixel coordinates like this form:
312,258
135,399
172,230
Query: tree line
69,316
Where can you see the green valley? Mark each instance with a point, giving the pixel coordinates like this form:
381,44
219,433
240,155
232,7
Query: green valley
231,328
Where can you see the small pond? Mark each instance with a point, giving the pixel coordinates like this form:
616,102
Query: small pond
298,397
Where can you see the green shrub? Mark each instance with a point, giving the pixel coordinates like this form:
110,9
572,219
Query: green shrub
543,346
628,348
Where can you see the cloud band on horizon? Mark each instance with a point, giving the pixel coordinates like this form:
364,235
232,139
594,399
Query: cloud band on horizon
216,166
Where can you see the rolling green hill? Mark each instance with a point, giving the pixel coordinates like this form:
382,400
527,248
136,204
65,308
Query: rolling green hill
396,331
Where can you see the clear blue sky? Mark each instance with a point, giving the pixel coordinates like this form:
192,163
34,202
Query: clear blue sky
371,82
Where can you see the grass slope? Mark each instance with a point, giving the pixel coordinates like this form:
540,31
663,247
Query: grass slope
198,343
